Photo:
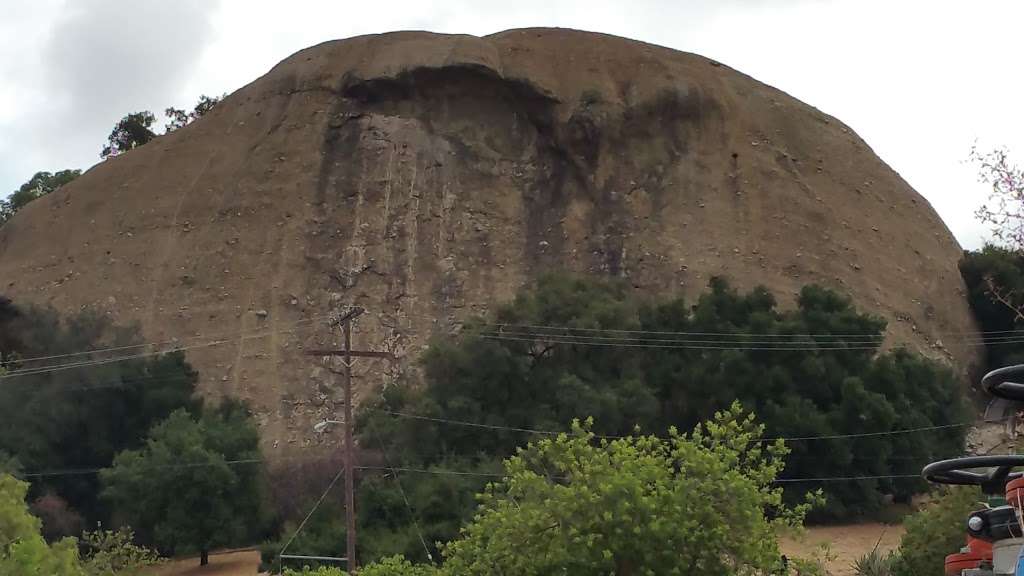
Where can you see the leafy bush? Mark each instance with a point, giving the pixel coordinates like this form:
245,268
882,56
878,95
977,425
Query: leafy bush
935,531
875,563
112,552
699,503
390,566
22,548
1000,269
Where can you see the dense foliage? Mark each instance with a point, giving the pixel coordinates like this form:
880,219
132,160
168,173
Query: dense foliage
657,364
995,289
387,526
112,552
703,503
699,503
22,548
136,129
85,411
935,531
24,552
208,491
41,184
129,133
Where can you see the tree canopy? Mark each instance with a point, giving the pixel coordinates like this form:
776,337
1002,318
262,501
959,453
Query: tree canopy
207,491
180,118
41,184
994,277
935,531
699,503
80,416
572,348
129,133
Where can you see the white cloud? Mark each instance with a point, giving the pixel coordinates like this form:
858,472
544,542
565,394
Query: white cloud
79,66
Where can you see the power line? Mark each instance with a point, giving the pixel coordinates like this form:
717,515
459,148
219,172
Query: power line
408,505
614,437
722,338
463,423
432,471
646,343
102,361
720,341
308,516
88,471
222,335
974,334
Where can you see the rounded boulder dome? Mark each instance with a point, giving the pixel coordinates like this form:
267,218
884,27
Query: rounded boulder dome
426,177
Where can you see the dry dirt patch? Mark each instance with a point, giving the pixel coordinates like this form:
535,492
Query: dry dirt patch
846,543
231,563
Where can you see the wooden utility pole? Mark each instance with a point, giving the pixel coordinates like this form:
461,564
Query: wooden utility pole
344,320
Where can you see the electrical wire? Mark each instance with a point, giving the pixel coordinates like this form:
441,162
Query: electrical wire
697,341
613,437
29,371
974,334
408,505
306,519
736,338
222,335
644,343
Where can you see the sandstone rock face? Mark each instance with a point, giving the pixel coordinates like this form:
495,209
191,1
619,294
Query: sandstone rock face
426,177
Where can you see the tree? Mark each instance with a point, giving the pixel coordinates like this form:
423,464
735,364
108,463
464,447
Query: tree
113,552
41,184
180,118
129,133
935,531
573,347
1003,212
194,484
22,549
699,503
81,416
994,277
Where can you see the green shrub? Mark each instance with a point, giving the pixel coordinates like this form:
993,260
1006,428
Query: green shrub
935,531
875,563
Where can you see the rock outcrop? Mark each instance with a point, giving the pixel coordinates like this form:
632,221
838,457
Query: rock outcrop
426,177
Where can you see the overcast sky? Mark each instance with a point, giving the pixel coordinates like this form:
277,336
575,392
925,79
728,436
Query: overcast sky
920,81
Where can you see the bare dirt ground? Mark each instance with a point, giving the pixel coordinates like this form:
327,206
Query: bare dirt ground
846,543
228,563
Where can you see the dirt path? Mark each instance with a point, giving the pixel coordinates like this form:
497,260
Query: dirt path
846,543
232,563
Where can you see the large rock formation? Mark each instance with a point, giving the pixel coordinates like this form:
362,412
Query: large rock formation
426,177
